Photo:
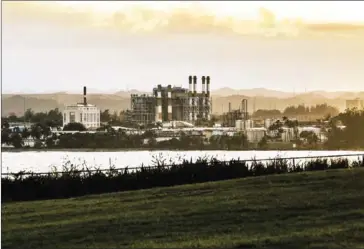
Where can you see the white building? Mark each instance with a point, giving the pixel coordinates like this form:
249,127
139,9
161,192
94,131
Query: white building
84,113
88,115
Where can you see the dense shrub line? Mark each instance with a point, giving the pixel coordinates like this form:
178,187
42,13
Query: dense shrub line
75,182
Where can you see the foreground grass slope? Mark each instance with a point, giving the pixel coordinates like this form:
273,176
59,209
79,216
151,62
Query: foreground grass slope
305,210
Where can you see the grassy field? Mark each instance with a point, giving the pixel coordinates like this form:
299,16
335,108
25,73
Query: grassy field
303,210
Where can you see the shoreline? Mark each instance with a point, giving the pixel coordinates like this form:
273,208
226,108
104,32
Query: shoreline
146,149
157,149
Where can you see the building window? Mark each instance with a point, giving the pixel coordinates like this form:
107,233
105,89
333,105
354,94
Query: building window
80,117
64,117
72,117
85,117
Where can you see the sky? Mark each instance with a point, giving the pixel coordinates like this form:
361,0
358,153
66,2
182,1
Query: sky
114,46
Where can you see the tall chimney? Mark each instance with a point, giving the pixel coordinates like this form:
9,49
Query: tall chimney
84,96
229,106
208,85
244,108
194,84
190,83
203,84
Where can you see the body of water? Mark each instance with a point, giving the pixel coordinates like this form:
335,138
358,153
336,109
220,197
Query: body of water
44,161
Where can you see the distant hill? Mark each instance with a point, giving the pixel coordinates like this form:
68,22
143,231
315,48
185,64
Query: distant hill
226,91
44,102
254,92
258,98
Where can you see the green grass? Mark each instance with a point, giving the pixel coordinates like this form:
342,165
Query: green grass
304,210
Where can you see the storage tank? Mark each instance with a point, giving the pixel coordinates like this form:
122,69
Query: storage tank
267,123
239,125
248,124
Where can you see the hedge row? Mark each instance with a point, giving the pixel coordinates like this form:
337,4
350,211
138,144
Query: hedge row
74,182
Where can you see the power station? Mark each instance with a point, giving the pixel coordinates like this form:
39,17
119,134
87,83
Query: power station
84,113
173,103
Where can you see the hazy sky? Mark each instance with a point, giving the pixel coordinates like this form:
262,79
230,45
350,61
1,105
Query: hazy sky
112,46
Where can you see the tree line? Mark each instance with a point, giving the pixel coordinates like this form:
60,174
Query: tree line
321,109
343,131
109,138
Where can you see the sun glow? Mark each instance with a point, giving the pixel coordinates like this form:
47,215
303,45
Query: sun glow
310,11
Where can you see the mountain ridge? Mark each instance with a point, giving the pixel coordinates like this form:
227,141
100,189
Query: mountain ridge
258,98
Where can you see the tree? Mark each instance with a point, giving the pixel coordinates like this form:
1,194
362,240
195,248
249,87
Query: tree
16,140
49,142
28,115
309,136
5,136
25,133
263,143
54,118
4,124
266,113
293,110
105,116
149,134
352,136
74,127
36,131
277,128
13,118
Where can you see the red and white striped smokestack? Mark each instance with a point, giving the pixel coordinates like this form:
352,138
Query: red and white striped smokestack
194,83
84,96
203,83
190,83
208,85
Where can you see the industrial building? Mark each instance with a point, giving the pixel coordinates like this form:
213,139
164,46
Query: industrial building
84,113
173,103
230,118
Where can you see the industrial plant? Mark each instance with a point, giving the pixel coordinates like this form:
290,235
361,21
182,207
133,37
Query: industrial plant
177,110
84,113
168,103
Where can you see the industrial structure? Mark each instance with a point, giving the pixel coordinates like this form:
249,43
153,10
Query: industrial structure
230,118
84,113
173,103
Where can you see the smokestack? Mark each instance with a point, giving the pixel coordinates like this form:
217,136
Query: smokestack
203,84
244,108
229,106
208,85
190,83
84,96
194,83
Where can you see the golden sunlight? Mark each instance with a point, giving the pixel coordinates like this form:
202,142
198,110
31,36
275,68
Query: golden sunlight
310,11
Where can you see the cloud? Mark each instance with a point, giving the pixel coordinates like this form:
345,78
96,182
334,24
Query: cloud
141,19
